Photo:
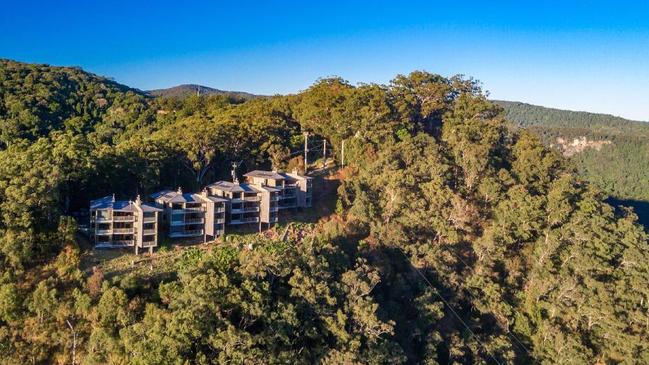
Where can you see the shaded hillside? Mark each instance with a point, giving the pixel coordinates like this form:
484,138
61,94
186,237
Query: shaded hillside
185,90
523,114
455,239
610,151
36,99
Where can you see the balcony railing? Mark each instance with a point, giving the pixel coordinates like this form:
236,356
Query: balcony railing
103,219
219,220
246,209
103,231
123,242
187,221
187,211
123,230
245,220
220,210
251,198
123,218
192,233
149,219
199,209
149,231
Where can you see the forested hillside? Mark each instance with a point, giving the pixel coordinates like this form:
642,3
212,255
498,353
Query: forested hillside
620,167
456,239
182,91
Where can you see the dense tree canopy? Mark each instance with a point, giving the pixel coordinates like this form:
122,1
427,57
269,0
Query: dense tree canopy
457,239
619,167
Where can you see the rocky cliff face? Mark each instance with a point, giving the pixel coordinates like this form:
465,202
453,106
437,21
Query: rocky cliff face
577,145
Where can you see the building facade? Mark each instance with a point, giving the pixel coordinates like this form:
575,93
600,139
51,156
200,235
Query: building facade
293,190
243,202
123,223
189,215
203,216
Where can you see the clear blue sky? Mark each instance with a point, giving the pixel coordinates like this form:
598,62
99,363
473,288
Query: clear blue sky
582,55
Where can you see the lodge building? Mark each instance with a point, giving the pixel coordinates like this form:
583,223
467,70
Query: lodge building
203,216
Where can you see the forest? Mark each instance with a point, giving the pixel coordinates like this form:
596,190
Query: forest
620,168
456,237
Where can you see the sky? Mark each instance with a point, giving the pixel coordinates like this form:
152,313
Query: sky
579,55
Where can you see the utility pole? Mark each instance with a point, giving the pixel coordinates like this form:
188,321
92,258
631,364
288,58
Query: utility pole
342,157
306,151
74,342
233,172
324,153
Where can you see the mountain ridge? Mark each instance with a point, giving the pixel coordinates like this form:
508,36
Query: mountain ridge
184,90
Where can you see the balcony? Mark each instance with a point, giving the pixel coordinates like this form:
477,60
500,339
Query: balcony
149,219
245,210
123,230
219,210
192,233
194,209
251,198
187,221
103,231
244,220
123,242
219,220
103,219
187,211
149,231
123,218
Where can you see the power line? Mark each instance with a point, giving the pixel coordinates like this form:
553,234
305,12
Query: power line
507,331
448,305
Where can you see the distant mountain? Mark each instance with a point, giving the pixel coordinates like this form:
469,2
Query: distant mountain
610,151
185,90
523,114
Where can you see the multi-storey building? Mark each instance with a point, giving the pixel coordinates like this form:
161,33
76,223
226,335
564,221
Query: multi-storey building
205,215
243,201
188,215
123,223
293,190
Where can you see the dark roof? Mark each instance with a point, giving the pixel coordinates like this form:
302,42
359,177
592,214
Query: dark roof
234,187
217,199
102,203
107,202
265,175
294,176
160,194
247,188
149,208
176,197
226,186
